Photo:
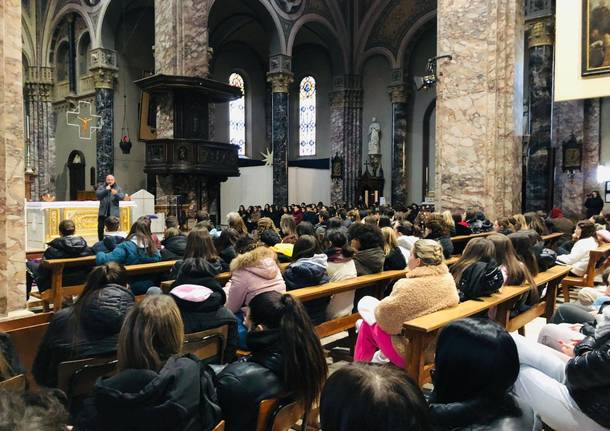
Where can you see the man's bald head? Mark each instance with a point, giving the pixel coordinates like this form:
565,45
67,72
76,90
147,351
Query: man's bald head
110,180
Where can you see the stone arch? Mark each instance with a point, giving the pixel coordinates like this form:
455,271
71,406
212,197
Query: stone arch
382,51
412,36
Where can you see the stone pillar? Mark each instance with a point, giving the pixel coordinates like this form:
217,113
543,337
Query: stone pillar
538,179
398,96
581,118
12,187
479,106
41,139
353,137
338,105
104,69
280,77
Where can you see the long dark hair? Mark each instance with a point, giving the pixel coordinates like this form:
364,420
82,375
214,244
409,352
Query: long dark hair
305,368
337,238
227,238
306,246
199,244
475,359
517,272
364,397
476,250
140,230
522,242
587,229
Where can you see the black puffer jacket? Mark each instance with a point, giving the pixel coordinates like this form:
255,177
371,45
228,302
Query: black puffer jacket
199,314
180,397
173,247
196,271
242,385
484,415
108,244
308,272
588,376
7,350
96,335
394,260
62,248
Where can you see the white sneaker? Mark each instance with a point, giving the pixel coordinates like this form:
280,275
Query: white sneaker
379,358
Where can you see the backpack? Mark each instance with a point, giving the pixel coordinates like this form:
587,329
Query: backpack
480,279
209,410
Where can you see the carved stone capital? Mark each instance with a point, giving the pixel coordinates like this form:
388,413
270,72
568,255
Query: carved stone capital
398,93
104,78
280,81
103,67
541,34
280,64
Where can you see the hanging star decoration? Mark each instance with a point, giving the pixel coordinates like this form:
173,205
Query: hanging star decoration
84,119
268,157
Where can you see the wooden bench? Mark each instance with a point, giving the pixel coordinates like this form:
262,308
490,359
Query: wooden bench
422,331
551,237
57,292
34,254
598,262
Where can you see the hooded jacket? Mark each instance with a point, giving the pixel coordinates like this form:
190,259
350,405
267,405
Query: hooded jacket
62,248
369,261
242,385
424,290
108,244
588,373
95,335
129,252
485,415
394,260
180,397
196,271
202,308
253,273
306,272
173,247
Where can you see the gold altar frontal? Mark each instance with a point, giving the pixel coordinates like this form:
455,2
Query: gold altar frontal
85,221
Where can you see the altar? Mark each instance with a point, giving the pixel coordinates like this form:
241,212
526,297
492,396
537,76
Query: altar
43,220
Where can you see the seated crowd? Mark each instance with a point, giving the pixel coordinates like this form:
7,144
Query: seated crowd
483,377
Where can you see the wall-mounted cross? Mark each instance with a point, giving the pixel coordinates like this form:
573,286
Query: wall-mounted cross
84,119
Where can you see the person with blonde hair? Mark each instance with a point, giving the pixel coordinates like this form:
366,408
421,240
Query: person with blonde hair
235,221
156,387
289,229
426,288
395,256
520,223
448,219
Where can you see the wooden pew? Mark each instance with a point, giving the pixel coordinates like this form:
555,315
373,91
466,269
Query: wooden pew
57,292
599,260
422,331
34,254
551,237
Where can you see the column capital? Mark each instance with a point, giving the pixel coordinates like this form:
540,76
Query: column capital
540,34
280,81
280,63
104,67
398,93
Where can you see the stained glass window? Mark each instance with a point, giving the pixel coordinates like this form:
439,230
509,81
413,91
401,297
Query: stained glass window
237,115
307,117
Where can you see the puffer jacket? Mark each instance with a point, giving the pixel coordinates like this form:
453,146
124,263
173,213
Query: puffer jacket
108,244
369,261
173,247
129,252
588,375
242,385
306,272
202,308
62,248
181,397
484,415
394,260
95,335
195,270
253,273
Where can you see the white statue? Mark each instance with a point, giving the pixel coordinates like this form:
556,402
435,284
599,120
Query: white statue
374,135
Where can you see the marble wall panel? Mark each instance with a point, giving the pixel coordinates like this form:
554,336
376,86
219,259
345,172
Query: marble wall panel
279,143
12,188
399,162
104,102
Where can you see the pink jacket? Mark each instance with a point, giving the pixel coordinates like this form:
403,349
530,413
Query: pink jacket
252,273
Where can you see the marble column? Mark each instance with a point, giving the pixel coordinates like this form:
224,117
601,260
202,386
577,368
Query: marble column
12,152
479,106
353,137
538,186
41,139
104,69
72,53
398,97
338,104
581,118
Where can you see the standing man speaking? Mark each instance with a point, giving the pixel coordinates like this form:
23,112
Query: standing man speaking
109,195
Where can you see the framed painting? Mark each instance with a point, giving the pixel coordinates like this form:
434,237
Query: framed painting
595,37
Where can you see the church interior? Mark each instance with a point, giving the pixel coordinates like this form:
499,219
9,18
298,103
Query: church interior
272,184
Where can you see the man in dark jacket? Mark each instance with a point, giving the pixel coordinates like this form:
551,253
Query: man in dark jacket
112,237
310,215
68,245
109,194
174,244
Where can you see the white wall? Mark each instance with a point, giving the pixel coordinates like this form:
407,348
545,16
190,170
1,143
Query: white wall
255,187
569,84
308,185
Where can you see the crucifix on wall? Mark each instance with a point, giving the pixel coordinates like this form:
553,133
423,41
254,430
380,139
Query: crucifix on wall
84,119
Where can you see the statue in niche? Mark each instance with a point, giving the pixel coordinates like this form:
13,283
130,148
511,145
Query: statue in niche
374,137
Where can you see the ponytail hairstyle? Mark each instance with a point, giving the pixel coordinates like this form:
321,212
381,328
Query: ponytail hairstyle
337,238
305,368
152,332
476,250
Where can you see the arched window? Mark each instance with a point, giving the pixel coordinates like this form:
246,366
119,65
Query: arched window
237,115
84,47
61,62
307,117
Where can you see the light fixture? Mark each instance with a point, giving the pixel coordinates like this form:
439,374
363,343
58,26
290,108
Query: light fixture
429,79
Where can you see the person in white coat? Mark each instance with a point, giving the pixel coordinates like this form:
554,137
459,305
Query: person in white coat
586,240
